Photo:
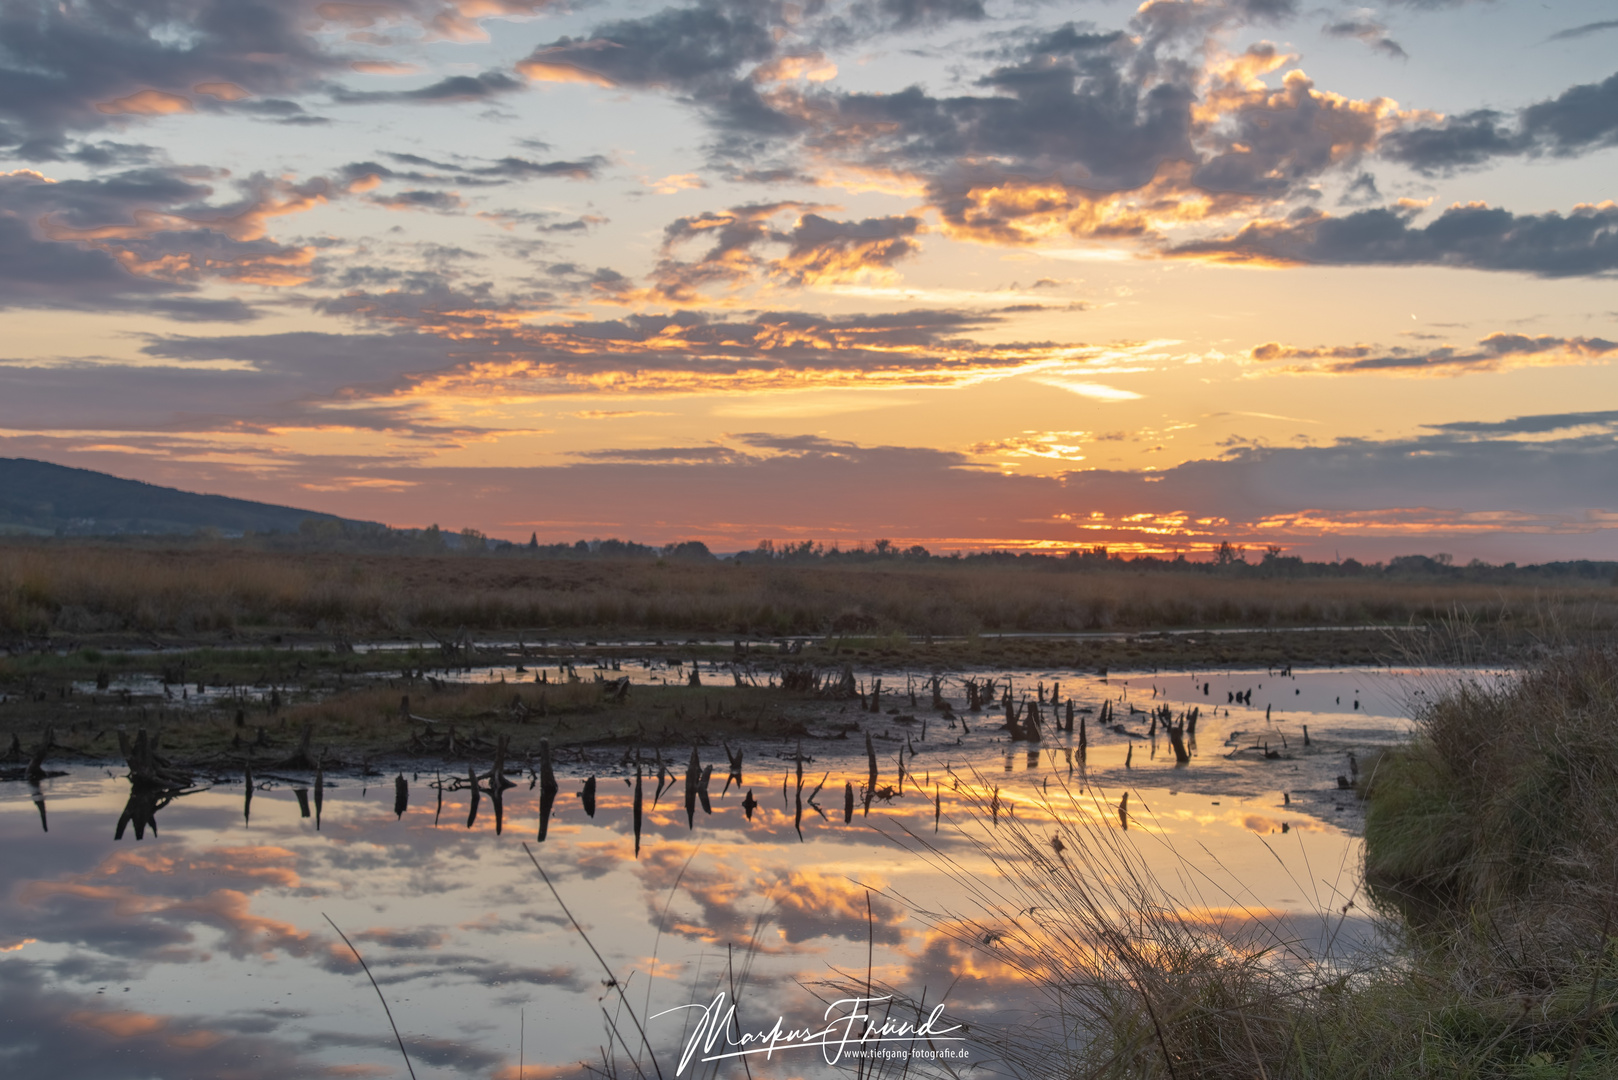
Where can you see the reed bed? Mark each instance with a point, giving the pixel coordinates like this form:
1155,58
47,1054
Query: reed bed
86,589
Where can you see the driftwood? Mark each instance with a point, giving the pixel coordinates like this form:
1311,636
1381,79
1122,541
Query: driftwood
299,758
148,767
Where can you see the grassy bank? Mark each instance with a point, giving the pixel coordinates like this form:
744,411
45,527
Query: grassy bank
88,590
1501,818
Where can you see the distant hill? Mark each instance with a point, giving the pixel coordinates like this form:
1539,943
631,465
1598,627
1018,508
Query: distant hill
41,499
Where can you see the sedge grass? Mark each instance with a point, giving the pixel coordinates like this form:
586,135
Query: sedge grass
89,589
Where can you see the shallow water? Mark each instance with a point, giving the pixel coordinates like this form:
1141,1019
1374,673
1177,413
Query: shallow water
204,950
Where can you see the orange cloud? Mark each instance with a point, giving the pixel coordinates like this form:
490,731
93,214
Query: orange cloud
560,72
146,103
813,67
224,91
383,67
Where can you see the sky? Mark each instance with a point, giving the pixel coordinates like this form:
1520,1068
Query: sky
965,273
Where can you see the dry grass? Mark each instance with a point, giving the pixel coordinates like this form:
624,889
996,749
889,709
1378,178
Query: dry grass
89,589
1500,821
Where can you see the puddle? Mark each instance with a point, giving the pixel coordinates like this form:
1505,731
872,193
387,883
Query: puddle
204,949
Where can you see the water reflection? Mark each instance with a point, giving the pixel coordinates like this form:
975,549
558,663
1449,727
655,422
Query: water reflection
462,944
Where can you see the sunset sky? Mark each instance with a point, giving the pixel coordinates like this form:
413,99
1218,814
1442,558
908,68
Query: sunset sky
964,273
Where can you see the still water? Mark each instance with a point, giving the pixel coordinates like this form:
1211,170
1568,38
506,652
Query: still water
210,948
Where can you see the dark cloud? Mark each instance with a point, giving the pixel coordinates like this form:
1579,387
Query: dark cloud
1583,242
455,88
1069,109
1580,119
1532,425
37,270
84,64
499,171
694,50
1490,354
1371,32
441,201
111,240
919,14
1582,31
1052,139
40,273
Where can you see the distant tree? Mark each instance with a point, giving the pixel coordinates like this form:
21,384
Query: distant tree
533,541
689,549
883,547
1228,554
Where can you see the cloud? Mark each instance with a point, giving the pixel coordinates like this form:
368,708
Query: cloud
1096,391
1582,31
694,50
826,251
441,201
902,15
1541,424
78,66
819,250
1075,131
1495,352
452,89
1372,33
493,347
1474,237
1580,119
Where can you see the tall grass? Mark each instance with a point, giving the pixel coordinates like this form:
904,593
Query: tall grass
88,588
1500,820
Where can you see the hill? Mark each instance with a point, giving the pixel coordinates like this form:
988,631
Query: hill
41,499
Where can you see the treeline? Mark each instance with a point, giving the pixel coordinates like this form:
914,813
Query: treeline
1227,560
